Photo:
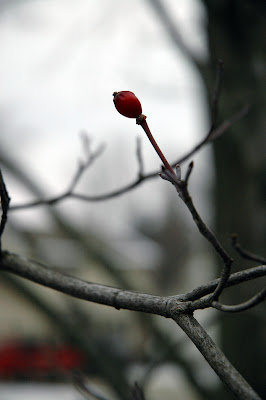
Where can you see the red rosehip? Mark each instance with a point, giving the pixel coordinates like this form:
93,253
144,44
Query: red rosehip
127,104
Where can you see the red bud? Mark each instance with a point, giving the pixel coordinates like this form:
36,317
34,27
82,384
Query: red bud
127,104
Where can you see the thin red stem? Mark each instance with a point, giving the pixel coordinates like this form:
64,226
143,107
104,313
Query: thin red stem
146,129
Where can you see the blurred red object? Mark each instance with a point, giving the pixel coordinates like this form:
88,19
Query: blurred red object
18,360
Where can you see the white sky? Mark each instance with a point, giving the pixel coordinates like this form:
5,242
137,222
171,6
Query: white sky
60,62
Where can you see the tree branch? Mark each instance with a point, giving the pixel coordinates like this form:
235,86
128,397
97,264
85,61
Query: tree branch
115,297
244,253
182,190
137,392
258,298
215,358
216,94
212,135
5,199
170,307
78,288
234,279
139,158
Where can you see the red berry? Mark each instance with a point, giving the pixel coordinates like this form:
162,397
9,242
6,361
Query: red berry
127,104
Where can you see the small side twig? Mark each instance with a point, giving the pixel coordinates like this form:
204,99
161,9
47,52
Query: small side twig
234,279
86,389
189,170
90,157
210,137
226,124
83,165
5,200
258,298
137,392
182,189
139,158
244,253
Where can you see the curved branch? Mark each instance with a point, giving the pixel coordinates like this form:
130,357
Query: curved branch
212,135
244,253
234,279
258,298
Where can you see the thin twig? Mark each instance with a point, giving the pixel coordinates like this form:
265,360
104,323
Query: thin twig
86,389
137,392
69,192
208,234
90,157
182,189
234,279
139,158
222,128
172,29
258,298
244,253
216,94
223,279
188,173
5,200
225,125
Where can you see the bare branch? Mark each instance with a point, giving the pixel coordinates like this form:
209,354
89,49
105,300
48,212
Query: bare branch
215,358
83,165
171,28
5,199
115,297
244,253
139,158
225,274
189,170
210,137
78,288
182,189
171,307
234,279
225,125
137,392
258,298
216,94
90,157
85,389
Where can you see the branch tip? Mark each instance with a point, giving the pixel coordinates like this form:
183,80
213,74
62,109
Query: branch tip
5,200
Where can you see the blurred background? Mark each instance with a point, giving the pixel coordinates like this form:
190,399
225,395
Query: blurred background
60,62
